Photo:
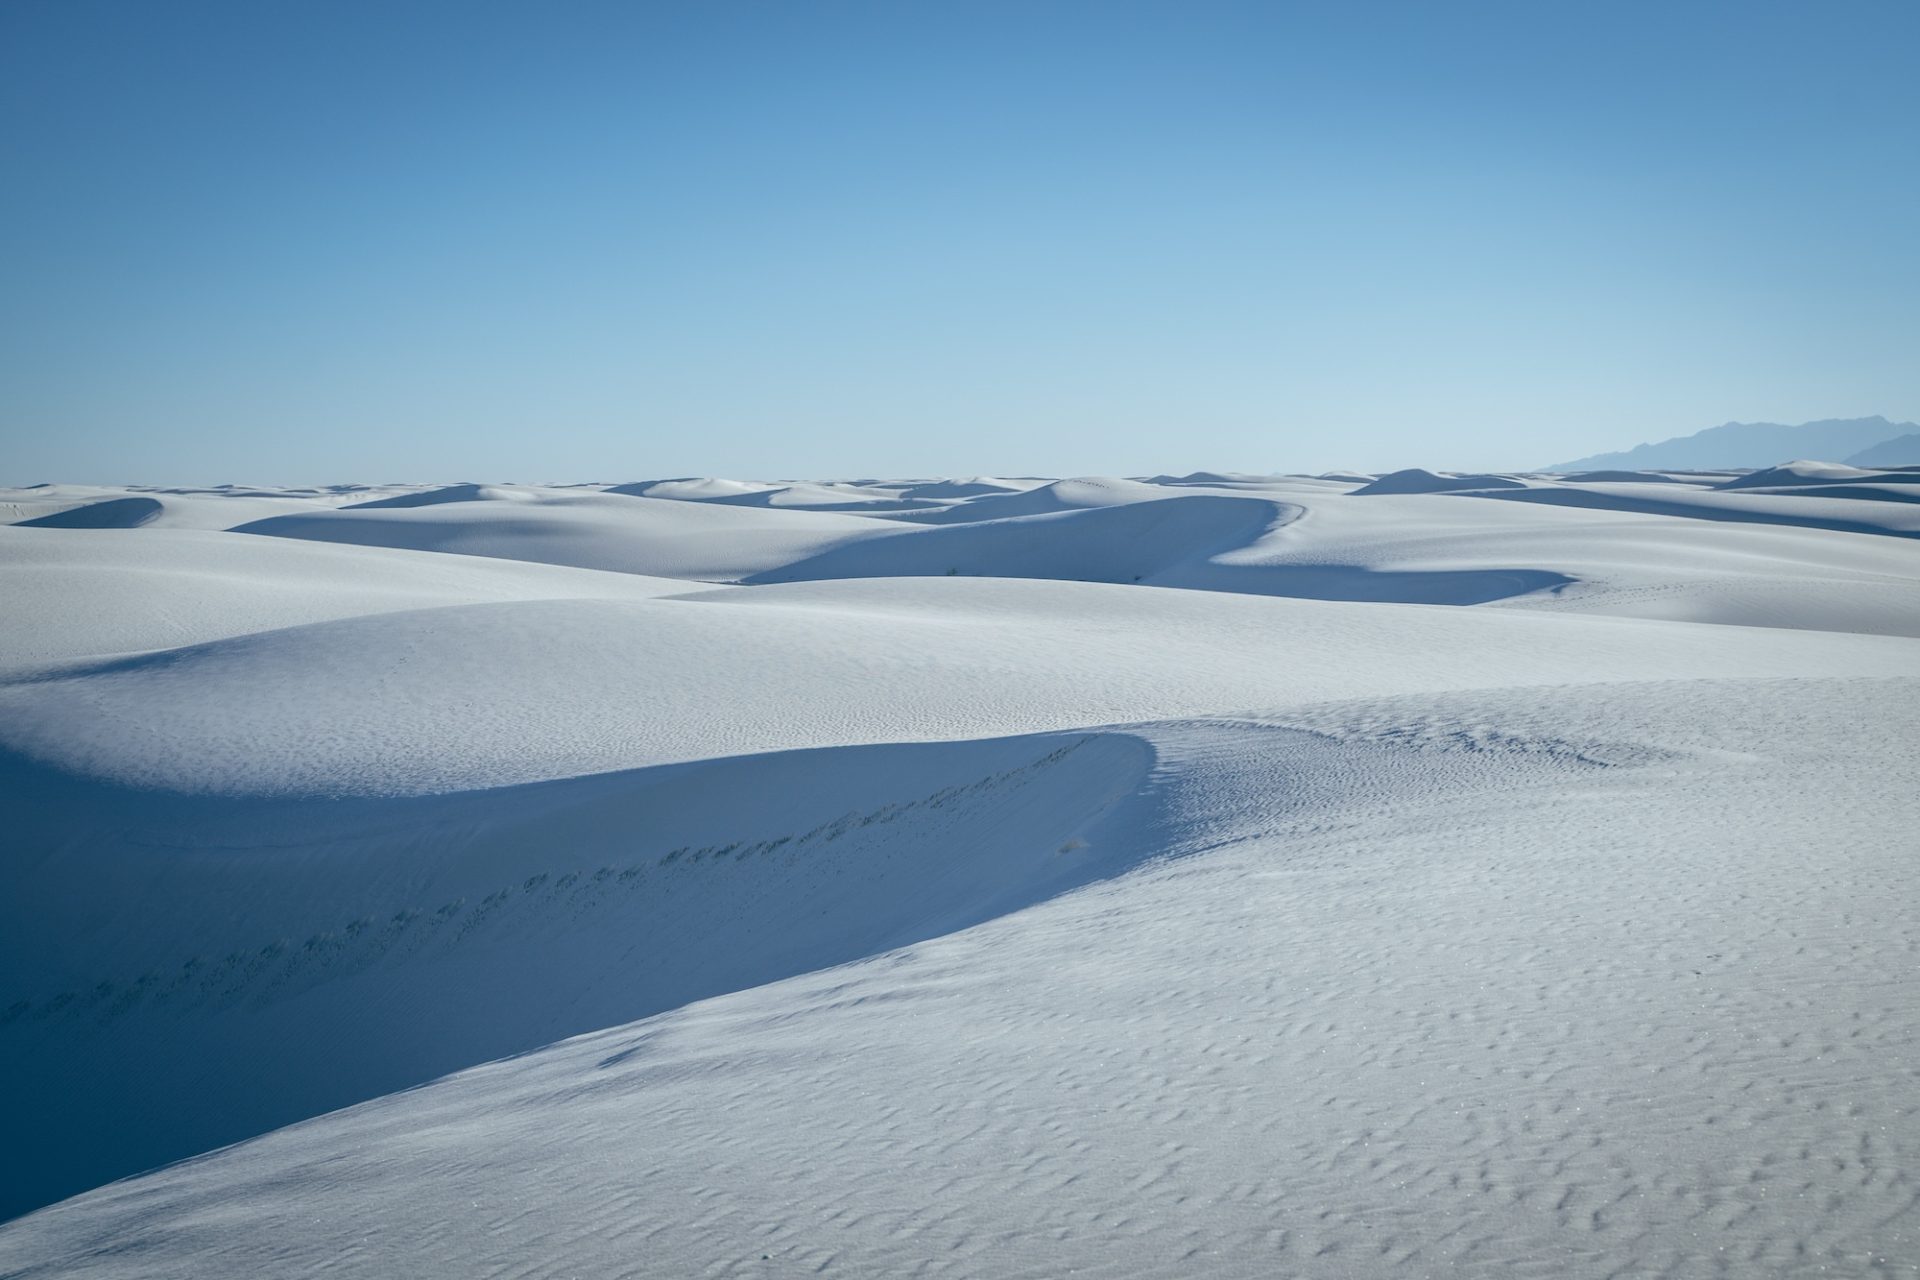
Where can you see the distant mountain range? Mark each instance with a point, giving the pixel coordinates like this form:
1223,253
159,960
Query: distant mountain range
1860,442
1901,451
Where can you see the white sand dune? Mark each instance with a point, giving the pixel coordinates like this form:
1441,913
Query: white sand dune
1164,540
1638,551
446,493
717,878
827,496
109,513
1084,493
1809,508
74,507
699,540
1415,480
693,489
971,487
345,707
86,594
383,942
1803,473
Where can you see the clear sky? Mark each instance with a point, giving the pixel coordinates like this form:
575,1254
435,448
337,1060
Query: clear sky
326,241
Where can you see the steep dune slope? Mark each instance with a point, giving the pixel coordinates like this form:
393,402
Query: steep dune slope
1164,541
109,513
260,962
1525,981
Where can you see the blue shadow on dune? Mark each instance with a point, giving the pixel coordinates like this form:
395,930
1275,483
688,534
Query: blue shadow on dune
179,972
1167,542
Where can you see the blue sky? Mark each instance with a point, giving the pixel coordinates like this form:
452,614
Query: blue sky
314,242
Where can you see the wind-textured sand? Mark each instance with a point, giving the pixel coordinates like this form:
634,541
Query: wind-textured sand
1206,875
